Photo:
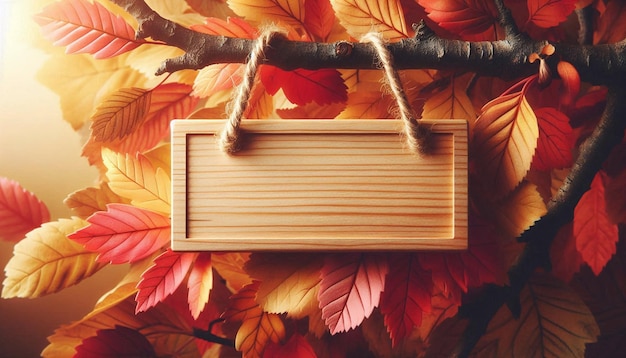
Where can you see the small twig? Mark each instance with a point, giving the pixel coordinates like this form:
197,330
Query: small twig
208,335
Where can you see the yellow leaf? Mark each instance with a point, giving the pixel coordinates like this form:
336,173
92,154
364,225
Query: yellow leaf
87,201
505,138
46,261
93,79
167,331
363,16
290,12
289,282
361,80
160,157
177,11
147,58
257,332
120,113
135,178
450,103
553,322
230,266
367,104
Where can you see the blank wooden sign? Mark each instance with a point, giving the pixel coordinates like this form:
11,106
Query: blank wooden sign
318,185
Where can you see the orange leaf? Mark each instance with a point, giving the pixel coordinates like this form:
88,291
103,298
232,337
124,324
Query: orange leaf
87,201
554,322
231,27
549,13
200,284
367,104
46,261
116,342
407,295
319,18
350,289
312,111
596,235
168,101
243,305
289,287
505,138
124,233
450,103
571,82
290,12
119,114
229,265
518,211
162,278
302,86
20,211
611,26
462,17
361,17
555,142
86,27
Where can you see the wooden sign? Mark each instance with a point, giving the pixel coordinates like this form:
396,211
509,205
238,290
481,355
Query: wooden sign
318,185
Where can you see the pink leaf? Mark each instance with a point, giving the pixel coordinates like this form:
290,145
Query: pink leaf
162,278
86,27
200,283
350,289
20,211
117,342
302,86
124,233
407,295
596,236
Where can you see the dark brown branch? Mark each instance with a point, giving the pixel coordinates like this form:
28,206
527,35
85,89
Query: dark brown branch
208,335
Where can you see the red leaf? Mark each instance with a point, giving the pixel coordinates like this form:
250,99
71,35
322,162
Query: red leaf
549,13
302,86
350,289
319,17
162,278
20,211
571,82
565,258
168,101
117,342
462,17
555,142
200,284
296,346
407,294
596,235
124,233
86,27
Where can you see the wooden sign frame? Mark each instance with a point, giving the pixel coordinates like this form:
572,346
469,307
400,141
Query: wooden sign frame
323,185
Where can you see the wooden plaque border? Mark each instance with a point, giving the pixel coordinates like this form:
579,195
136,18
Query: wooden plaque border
184,131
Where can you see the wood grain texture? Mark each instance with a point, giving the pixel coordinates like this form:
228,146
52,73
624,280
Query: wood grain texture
318,185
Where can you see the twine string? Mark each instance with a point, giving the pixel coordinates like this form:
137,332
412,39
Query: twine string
416,134
229,136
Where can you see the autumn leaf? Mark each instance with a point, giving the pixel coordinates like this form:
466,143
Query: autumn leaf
257,328
367,104
93,79
549,13
117,342
163,278
288,282
200,283
167,332
518,211
290,12
350,289
119,114
87,27
596,235
229,265
20,211
319,18
553,322
135,178
302,86
571,82
85,202
564,257
312,111
611,24
451,102
407,295
505,138
124,233
555,142
46,261
462,17
296,346
385,17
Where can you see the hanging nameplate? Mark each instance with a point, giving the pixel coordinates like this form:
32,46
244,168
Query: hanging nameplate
318,185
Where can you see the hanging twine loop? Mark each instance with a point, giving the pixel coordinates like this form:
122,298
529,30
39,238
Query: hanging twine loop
416,134
229,136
